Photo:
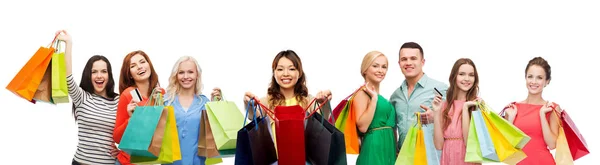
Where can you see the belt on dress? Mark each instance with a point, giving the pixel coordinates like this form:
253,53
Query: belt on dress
455,138
379,128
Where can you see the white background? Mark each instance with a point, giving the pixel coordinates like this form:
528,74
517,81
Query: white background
235,43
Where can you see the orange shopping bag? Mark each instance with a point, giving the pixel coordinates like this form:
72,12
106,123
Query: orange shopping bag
28,79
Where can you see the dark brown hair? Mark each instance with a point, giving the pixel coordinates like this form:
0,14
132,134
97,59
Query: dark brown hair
413,45
86,79
539,61
275,96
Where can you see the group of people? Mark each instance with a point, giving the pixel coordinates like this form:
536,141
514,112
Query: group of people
102,115
447,108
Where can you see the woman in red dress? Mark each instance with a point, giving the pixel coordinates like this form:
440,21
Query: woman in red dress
534,115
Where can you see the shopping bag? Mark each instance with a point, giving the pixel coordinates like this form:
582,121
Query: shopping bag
433,158
346,123
170,150
506,151
420,153
254,145
562,154
407,152
340,107
225,121
485,141
473,151
144,133
28,79
577,144
210,161
289,133
60,91
206,142
324,143
44,90
513,135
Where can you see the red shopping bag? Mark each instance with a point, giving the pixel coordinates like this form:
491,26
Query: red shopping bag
289,126
577,144
338,109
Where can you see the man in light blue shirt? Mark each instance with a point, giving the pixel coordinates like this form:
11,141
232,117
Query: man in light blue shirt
416,91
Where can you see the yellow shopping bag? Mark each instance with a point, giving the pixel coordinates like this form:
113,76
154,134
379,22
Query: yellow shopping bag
170,150
563,153
507,153
420,153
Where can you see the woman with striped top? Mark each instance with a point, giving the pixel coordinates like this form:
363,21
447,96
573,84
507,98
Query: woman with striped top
94,108
136,72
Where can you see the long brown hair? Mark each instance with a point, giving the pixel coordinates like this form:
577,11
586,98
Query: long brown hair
125,79
452,93
275,96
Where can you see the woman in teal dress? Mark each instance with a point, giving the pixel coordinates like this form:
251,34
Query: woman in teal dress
375,115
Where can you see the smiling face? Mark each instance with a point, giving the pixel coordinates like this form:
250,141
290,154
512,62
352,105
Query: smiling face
187,75
99,77
411,62
377,70
139,68
536,79
286,74
465,77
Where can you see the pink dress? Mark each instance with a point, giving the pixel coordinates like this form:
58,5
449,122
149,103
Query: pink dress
528,120
454,149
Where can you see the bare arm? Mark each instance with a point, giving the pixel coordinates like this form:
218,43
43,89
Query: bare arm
438,118
364,108
438,131
466,122
549,128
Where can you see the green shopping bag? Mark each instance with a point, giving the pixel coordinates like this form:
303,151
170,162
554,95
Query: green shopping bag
210,161
145,130
473,153
514,135
170,150
225,120
408,150
507,153
340,122
60,91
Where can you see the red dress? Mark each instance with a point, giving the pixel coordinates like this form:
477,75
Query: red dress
528,120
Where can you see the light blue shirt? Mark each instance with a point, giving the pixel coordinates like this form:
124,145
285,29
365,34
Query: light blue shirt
188,127
406,107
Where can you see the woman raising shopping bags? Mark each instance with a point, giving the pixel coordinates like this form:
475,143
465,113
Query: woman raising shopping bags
94,107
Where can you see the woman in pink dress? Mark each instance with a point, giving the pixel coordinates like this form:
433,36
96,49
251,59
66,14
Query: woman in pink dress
452,117
533,115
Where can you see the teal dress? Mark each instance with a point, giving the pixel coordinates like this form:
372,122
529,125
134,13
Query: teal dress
378,146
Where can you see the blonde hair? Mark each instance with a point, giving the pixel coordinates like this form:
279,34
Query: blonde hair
174,88
368,60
